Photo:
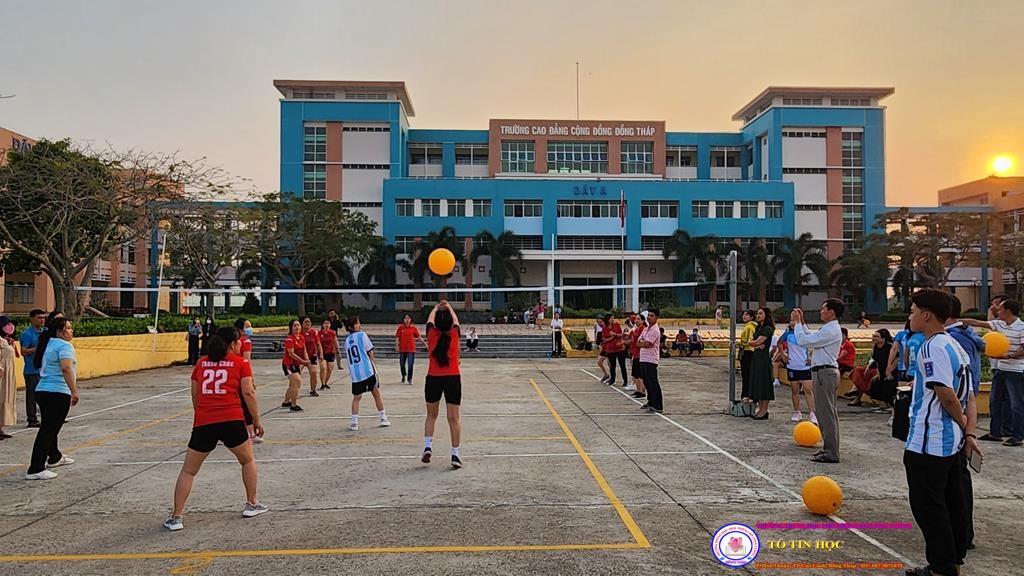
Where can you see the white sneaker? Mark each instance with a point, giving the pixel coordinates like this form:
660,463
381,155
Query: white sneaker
776,383
251,510
64,461
630,388
44,475
384,422
814,419
796,417
889,423
173,523
257,439
354,426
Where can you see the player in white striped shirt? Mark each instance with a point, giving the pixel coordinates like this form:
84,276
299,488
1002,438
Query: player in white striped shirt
359,351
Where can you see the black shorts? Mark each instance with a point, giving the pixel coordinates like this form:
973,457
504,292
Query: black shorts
328,357
245,412
290,369
602,353
312,360
472,344
368,385
635,370
798,375
448,386
232,434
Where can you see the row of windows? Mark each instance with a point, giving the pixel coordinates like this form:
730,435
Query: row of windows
406,207
588,209
801,101
809,207
577,157
365,128
362,205
803,133
581,157
851,101
773,293
803,171
19,294
524,208
853,149
432,207
725,209
659,209
853,223
853,186
589,243
314,144
366,166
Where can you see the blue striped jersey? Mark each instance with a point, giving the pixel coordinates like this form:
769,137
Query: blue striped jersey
357,348
941,362
913,345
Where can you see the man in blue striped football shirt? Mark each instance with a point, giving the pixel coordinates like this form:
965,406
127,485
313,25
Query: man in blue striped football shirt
942,420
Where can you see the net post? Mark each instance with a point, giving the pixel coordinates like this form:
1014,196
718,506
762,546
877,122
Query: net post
732,325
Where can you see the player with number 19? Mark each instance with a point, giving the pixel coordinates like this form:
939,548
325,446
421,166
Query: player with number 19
218,380
359,352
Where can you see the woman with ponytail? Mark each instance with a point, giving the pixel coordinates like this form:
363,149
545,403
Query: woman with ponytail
443,377
221,380
56,393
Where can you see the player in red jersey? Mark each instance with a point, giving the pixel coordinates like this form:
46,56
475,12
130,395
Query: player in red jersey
329,349
313,353
218,381
244,328
443,378
294,359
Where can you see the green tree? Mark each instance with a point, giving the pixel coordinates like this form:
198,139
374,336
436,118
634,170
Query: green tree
695,254
65,207
793,256
505,256
865,272
757,269
202,239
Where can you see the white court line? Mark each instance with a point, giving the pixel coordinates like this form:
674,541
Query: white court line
404,457
77,416
906,561
393,416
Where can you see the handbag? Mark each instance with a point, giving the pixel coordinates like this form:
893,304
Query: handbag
901,413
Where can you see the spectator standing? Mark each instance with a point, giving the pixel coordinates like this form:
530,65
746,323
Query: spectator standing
8,384
1010,375
556,334
29,342
195,330
823,350
649,343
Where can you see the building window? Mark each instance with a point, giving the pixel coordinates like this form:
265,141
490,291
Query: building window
680,156
481,208
588,209
803,133
405,244
858,102
349,205
703,291
853,222
578,157
366,166
366,95
659,209
636,157
425,154
471,154
699,208
809,207
524,208
803,170
774,293
528,242
314,143
457,208
517,156
853,149
314,181
405,207
431,207
748,209
589,243
19,293
853,186
366,129
801,101
653,242
723,208
773,209
725,157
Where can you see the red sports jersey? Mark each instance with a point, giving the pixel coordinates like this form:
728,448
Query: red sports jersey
407,336
246,345
435,369
611,338
296,343
311,339
329,341
634,338
220,388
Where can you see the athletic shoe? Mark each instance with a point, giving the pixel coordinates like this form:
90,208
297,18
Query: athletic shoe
645,406
32,425
286,404
173,523
328,386
889,422
256,439
354,426
403,380
654,410
605,379
64,461
384,422
426,456
314,393
44,475
456,463
639,395
796,417
630,388
814,419
776,383
296,408
251,510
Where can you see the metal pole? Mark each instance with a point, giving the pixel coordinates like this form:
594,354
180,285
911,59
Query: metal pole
159,283
732,326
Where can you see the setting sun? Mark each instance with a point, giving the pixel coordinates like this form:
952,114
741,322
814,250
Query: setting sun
1002,164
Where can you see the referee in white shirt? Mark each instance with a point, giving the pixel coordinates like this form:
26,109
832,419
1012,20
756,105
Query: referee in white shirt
823,351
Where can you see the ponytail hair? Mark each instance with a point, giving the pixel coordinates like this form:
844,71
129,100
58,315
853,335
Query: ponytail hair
219,343
443,323
53,327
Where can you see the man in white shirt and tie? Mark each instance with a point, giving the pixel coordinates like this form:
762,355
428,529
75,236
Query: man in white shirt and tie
823,353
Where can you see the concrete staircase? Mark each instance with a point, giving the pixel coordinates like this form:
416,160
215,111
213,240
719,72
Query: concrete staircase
268,345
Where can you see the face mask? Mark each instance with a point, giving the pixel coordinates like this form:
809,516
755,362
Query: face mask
9,329
248,331
208,321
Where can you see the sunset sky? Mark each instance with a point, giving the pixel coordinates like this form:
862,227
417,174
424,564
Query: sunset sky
196,77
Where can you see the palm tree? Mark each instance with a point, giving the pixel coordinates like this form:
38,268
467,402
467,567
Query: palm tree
793,256
690,251
379,269
505,257
419,267
758,270
864,272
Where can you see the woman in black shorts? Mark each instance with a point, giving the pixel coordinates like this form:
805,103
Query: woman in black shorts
218,380
443,378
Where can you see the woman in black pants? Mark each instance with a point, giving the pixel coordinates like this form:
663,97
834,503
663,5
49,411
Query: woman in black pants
56,393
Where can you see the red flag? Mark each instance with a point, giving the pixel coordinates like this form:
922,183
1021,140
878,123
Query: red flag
622,209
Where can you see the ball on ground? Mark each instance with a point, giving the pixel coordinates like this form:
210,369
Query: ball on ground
822,495
996,344
806,433
441,261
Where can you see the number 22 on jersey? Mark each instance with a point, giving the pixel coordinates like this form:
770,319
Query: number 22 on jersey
214,378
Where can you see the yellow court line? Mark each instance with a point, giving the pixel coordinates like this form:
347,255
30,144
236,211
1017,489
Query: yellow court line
407,440
627,518
318,552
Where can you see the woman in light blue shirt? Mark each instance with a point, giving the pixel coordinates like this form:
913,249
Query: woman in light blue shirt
56,393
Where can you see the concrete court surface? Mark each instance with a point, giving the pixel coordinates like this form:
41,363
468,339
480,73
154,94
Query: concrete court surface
563,475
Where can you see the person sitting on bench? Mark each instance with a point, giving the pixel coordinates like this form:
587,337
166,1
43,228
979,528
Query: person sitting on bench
696,343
